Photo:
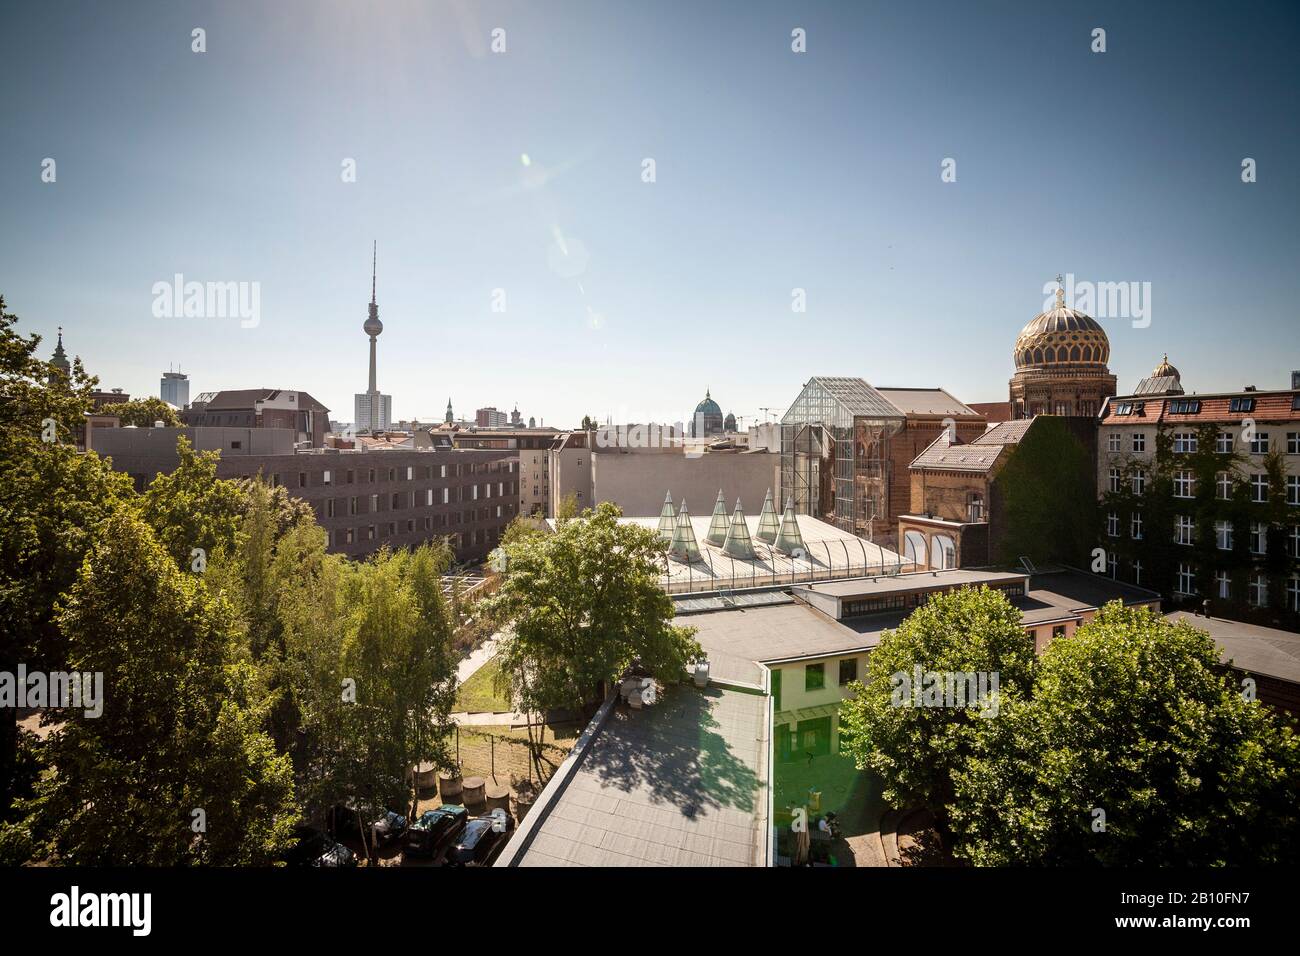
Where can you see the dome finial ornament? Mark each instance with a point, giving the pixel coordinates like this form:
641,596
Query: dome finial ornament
1060,291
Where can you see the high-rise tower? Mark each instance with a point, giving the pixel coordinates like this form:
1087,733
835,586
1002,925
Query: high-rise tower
373,410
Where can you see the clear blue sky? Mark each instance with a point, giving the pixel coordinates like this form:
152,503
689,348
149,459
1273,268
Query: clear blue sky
775,170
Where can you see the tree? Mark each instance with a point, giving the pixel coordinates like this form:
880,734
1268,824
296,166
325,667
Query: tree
52,503
192,510
175,767
143,412
584,604
1134,749
567,508
917,749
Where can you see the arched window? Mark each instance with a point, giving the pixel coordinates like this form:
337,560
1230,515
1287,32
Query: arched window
1038,356
943,553
914,548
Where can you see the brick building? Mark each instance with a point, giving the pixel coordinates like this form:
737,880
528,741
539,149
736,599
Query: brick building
261,408
363,499
1200,497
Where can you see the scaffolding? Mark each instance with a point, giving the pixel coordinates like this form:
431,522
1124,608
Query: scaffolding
835,453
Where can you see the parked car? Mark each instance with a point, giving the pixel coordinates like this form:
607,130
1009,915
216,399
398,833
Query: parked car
389,827
313,847
479,843
436,829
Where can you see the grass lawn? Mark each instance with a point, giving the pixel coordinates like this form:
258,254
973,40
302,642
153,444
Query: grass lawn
477,694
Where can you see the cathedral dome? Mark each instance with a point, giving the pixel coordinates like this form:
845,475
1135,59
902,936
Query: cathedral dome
1165,370
1061,336
708,406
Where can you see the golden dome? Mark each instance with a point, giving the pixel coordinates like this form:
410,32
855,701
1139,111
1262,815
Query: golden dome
1165,370
1062,336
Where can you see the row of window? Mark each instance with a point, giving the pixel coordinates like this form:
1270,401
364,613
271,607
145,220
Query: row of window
401,500
403,473
1185,485
1186,443
1256,587
344,537
1185,533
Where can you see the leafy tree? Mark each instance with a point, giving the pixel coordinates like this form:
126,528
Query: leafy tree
191,508
567,508
916,750
582,605
1048,490
52,502
179,730
143,412
1133,717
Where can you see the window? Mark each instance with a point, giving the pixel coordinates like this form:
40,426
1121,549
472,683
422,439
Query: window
1258,590
329,507
1135,526
428,497
1183,484
1222,585
1185,406
410,472
1293,443
352,505
814,676
848,670
1259,444
1184,443
442,471
374,503
1114,479
1223,535
352,476
395,502
327,478
1112,525
1293,489
1139,441
1058,631
1258,537
475,495
1112,563
1186,580
1294,539
370,477
1183,529
302,479
370,532
1113,441
236,445
1259,488
1223,486
1139,481
1293,593
1137,572
1223,443
1245,405
446,496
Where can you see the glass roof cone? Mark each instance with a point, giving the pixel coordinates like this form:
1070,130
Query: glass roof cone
717,532
683,546
737,543
789,540
667,519
768,524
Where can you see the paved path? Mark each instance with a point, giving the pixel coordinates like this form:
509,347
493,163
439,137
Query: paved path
477,658
486,719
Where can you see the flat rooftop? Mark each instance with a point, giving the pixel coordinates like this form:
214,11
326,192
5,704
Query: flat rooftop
680,783
1267,651
910,582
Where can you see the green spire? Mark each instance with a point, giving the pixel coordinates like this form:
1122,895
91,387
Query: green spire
768,525
789,540
667,520
737,543
683,546
717,532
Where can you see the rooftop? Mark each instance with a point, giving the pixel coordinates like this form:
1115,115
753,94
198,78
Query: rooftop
682,782
1260,650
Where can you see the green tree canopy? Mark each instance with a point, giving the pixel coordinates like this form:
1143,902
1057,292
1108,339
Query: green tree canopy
917,749
143,412
179,737
582,605
1133,717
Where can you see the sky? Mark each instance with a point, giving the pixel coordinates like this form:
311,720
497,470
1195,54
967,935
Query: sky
524,258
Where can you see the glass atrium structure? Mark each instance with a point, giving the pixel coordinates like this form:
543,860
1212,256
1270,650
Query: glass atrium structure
834,453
